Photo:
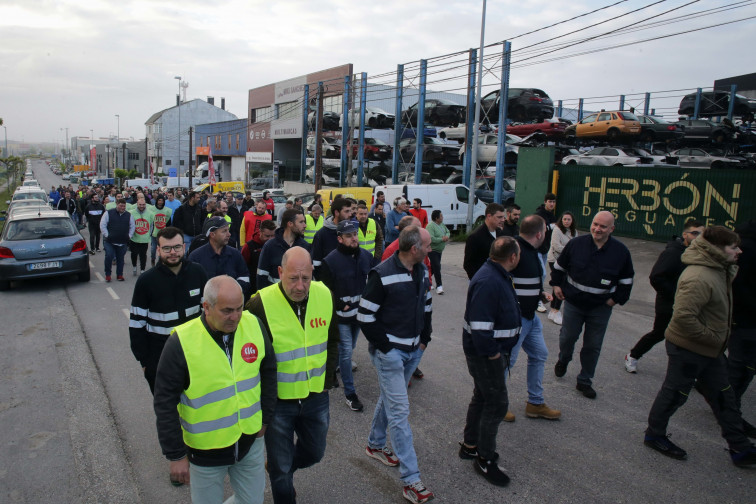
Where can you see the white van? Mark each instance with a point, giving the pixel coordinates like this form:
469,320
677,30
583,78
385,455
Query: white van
451,199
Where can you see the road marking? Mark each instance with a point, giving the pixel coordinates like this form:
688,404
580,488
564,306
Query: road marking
125,312
99,277
112,293
91,264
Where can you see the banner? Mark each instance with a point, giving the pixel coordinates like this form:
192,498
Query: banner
93,158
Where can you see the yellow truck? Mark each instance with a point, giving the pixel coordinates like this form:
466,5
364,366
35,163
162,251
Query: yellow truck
236,186
358,193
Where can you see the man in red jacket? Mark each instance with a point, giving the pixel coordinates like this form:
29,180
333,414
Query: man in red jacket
418,212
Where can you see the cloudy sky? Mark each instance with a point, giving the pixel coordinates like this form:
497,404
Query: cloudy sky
77,64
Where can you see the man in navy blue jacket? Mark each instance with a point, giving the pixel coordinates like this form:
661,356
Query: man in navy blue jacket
217,258
489,332
593,273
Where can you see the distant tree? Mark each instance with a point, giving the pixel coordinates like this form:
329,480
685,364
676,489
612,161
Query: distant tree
119,173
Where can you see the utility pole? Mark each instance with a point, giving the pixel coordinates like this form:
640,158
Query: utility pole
123,150
178,167
191,130
118,138
318,169
146,166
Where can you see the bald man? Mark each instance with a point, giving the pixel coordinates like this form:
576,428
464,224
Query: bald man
224,349
594,273
298,312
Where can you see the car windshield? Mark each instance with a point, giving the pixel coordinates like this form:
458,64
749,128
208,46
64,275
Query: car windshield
627,116
717,152
36,229
636,152
29,195
433,140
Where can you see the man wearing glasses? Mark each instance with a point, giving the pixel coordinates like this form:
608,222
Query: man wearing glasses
164,297
663,278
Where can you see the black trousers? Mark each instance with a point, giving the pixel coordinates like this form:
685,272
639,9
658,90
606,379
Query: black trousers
488,405
435,261
647,341
741,360
139,250
683,370
94,237
556,303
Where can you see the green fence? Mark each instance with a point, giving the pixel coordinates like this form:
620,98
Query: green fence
654,203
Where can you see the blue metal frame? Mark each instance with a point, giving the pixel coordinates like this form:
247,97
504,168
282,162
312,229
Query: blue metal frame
731,108
580,109
501,147
697,106
361,143
318,148
420,130
346,142
559,108
647,103
397,123
305,131
470,116
622,102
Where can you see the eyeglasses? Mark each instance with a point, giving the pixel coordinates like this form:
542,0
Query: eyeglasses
176,248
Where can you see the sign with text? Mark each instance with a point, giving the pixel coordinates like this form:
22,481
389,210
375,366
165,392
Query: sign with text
259,157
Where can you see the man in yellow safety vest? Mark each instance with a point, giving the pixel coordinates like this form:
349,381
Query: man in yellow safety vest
369,233
314,221
299,315
215,393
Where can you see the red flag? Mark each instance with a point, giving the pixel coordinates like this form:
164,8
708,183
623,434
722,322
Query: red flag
210,168
152,173
93,158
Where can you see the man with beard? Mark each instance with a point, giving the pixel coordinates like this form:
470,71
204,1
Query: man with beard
289,235
253,248
161,217
345,271
217,258
164,297
509,227
251,221
325,239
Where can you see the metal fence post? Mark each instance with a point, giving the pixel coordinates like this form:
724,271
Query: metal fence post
346,142
647,103
697,107
502,134
469,125
559,108
622,102
420,130
731,108
361,143
305,128
397,123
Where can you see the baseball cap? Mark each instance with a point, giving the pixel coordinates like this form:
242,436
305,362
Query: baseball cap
346,227
212,224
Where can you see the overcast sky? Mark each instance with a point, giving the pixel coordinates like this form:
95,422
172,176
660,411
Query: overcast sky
77,64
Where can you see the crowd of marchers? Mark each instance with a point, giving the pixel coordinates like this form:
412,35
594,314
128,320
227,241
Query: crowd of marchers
243,324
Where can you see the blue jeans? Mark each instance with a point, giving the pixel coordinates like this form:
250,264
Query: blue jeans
394,370
544,262
187,242
307,418
153,248
111,252
531,340
247,479
595,320
348,334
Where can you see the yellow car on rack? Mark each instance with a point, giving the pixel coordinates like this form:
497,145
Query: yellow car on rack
612,125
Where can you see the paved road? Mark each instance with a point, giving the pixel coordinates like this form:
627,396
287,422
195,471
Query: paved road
96,439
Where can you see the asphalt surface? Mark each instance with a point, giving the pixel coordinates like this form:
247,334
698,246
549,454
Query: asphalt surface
79,426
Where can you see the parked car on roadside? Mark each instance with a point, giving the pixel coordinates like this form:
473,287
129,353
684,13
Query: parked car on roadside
714,159
434,150
655,129
606,124
438,112
524,104
716,103
42,244
374,117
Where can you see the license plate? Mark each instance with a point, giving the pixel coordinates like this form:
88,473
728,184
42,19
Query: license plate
44,265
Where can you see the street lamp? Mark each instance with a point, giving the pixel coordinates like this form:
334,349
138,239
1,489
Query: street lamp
178,168
67,153
118,138
6,141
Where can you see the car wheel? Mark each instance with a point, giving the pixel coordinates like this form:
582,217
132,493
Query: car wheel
717,165
510,158
4,285
617,165
648,136
372,122
84,276
719,136
519,113
442,135
612,134
571,162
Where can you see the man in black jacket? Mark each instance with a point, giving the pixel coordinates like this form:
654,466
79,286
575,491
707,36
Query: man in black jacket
546,212
67,204
199,442
663,279
189,218
478,244
510,227
94,211
164,297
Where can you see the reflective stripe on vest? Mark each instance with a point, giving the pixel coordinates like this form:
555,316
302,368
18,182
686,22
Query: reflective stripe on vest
222,401
312,227
367,240
300,352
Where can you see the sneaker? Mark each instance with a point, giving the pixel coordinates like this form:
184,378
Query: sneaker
120,278
491,471
384,455
440,290
91,252
745,458
663,445
541,411
133,270
541,308
631,365
587,390
97,250
107,278
354,366
509,417
417,373
417,493
560,369
353,402
551,314
557,318
141,272
467,453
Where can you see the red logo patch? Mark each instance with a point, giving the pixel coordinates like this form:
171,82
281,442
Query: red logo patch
318,322
249,353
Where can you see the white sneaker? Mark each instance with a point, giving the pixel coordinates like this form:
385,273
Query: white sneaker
440,290
551,314
557,318
631,365
134,271
541,308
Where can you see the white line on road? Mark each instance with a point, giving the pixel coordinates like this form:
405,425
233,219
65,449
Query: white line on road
125,312
91,264
112,293
99,277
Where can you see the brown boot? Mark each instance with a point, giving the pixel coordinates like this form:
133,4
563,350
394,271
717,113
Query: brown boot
509,417
541,411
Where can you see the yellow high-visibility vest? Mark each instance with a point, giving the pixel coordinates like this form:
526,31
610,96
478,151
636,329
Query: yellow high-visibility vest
312,227
367,239
223,400
300,352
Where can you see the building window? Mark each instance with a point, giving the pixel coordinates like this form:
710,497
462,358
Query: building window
168,162
181,162
208,141
261,114
289,110
237,141
229,141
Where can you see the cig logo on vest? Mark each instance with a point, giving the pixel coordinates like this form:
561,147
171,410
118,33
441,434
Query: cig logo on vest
317,322
249,353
